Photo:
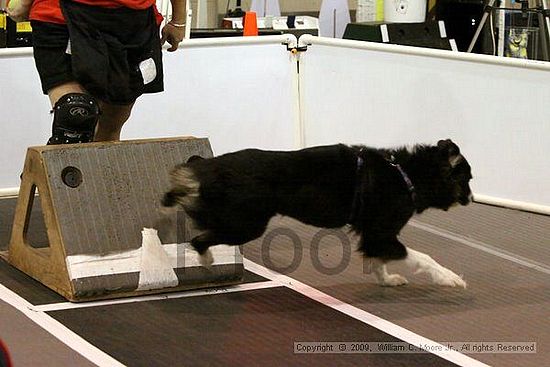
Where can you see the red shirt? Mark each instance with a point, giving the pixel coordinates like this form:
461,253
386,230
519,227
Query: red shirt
49,10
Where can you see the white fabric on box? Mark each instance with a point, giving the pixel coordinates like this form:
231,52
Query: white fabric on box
156,271
180,255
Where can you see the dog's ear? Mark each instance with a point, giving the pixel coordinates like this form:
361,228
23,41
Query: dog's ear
451,151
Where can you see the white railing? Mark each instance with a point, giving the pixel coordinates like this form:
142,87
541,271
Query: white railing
496,109
247,92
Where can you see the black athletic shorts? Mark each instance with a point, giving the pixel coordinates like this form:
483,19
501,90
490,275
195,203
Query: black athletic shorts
115,54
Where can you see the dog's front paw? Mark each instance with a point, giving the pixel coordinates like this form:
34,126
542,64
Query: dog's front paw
206,259
393,280
445,277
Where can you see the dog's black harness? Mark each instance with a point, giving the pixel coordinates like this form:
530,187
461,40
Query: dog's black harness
357,197
410,186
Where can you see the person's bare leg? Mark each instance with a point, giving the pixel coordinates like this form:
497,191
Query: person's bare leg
59,91
111,120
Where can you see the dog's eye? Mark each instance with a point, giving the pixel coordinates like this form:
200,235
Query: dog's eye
461,176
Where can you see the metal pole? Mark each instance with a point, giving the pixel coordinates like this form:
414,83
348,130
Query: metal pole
546,26
334,23
488,8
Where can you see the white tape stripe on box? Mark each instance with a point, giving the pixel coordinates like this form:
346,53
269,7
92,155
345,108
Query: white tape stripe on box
180,256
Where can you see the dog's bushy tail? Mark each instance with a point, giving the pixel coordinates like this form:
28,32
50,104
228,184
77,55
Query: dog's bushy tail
185,183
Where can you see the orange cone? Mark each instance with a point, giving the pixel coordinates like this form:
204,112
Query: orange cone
250,24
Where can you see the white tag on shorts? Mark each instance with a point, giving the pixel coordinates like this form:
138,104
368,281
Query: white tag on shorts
68,50
148,70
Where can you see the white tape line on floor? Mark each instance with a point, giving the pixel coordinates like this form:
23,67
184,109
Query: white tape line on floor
58,330
157,297
361,315
503,254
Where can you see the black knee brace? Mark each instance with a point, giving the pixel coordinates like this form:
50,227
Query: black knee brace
75,117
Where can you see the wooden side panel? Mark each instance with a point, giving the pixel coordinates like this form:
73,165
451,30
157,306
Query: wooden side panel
46,265
99,208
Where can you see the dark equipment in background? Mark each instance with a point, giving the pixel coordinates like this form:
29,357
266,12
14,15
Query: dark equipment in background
290,21
237,12
3,32
2,38
542,23
228,32
427,34
18,34
461,19
231,27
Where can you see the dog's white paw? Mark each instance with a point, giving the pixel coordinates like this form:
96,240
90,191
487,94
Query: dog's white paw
393,280
206,259
439,274
445,277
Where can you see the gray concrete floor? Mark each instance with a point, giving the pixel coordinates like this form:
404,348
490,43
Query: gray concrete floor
504,301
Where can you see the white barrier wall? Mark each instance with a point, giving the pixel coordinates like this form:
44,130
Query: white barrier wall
497,110
244,92
239,92
25,114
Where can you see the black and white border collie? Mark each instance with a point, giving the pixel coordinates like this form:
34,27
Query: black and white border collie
231,198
